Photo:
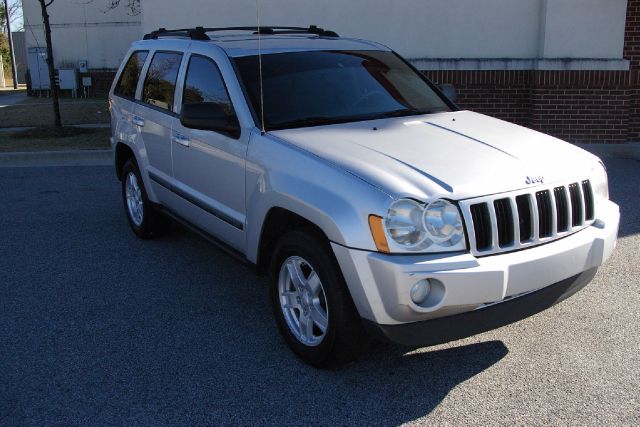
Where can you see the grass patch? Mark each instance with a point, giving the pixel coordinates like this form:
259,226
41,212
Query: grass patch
49,139
39,112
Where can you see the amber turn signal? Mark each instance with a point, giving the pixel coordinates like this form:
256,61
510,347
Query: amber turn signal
377,231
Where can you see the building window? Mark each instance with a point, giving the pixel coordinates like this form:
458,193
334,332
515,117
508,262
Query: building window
160,84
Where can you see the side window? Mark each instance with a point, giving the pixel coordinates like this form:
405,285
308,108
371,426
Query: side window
128,82
204,84
160,84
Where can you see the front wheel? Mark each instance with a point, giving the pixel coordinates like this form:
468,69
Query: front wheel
311,302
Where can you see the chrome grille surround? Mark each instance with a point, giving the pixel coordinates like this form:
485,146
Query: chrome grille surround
544,207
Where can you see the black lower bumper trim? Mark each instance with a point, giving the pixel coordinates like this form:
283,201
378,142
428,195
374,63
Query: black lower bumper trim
451,328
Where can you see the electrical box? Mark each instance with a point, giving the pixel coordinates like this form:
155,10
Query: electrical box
68,79
38,69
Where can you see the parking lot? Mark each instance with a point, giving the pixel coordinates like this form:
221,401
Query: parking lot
99,327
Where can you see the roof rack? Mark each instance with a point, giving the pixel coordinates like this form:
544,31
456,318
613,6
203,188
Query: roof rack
200,33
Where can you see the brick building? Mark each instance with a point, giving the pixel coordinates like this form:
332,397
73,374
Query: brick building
570,68
579,106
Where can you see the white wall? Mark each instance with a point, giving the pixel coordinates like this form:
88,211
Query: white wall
428,28
418,29
584,28
83,30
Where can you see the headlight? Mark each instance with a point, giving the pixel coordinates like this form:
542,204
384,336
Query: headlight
600,182
436,227
443,223
404,223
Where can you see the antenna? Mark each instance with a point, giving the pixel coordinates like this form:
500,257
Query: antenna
262,129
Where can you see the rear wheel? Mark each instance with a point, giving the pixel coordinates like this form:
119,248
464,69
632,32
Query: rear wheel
311,302
143,217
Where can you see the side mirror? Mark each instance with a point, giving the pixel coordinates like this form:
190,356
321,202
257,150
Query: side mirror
449,91
209,116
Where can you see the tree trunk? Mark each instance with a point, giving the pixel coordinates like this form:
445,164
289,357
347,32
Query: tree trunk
52,77
14,71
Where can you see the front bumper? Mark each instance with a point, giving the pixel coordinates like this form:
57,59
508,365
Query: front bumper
380,284
450,328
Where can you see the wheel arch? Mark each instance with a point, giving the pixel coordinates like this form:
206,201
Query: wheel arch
278,221
122,153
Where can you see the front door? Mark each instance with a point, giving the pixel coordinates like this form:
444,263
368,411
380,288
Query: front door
209,167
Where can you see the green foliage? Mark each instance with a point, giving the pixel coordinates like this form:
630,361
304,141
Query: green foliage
3,18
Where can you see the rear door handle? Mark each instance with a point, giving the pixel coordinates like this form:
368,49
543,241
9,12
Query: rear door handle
181,139
137,121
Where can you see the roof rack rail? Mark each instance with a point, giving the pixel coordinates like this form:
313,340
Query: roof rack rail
200,33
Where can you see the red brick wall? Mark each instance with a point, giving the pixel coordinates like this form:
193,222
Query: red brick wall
101,82
578,106
502,94
632,34
632,53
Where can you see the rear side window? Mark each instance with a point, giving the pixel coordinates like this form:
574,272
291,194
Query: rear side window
126,87
160,85
204,84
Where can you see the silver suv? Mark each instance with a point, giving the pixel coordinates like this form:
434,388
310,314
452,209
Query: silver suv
376,206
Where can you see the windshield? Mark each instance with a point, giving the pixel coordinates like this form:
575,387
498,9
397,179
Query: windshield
325,87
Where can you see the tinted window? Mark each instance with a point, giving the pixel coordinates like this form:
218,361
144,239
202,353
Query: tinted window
160,84
324,87
129,79
204,84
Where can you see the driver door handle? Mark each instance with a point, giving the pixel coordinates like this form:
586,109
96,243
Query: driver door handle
181,139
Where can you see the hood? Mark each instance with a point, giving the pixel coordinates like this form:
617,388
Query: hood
455,155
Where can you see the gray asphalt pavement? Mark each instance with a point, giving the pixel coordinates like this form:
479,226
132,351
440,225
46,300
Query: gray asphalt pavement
98,327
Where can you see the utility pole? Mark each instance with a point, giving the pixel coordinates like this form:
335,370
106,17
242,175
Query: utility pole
10,37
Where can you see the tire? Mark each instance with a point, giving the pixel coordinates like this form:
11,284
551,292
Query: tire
343,338
143,217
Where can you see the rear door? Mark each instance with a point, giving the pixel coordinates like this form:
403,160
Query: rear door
153,116
123,98
209,167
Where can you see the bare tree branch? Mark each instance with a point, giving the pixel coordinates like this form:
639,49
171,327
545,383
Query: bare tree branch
15,13
132,5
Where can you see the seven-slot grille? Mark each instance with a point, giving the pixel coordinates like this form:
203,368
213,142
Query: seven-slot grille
508,222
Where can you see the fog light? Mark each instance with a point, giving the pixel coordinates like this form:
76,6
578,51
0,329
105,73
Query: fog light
420,291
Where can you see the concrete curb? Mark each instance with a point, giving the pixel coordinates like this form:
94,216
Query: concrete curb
57,158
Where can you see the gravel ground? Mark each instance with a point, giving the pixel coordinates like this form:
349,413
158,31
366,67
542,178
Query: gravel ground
98,327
